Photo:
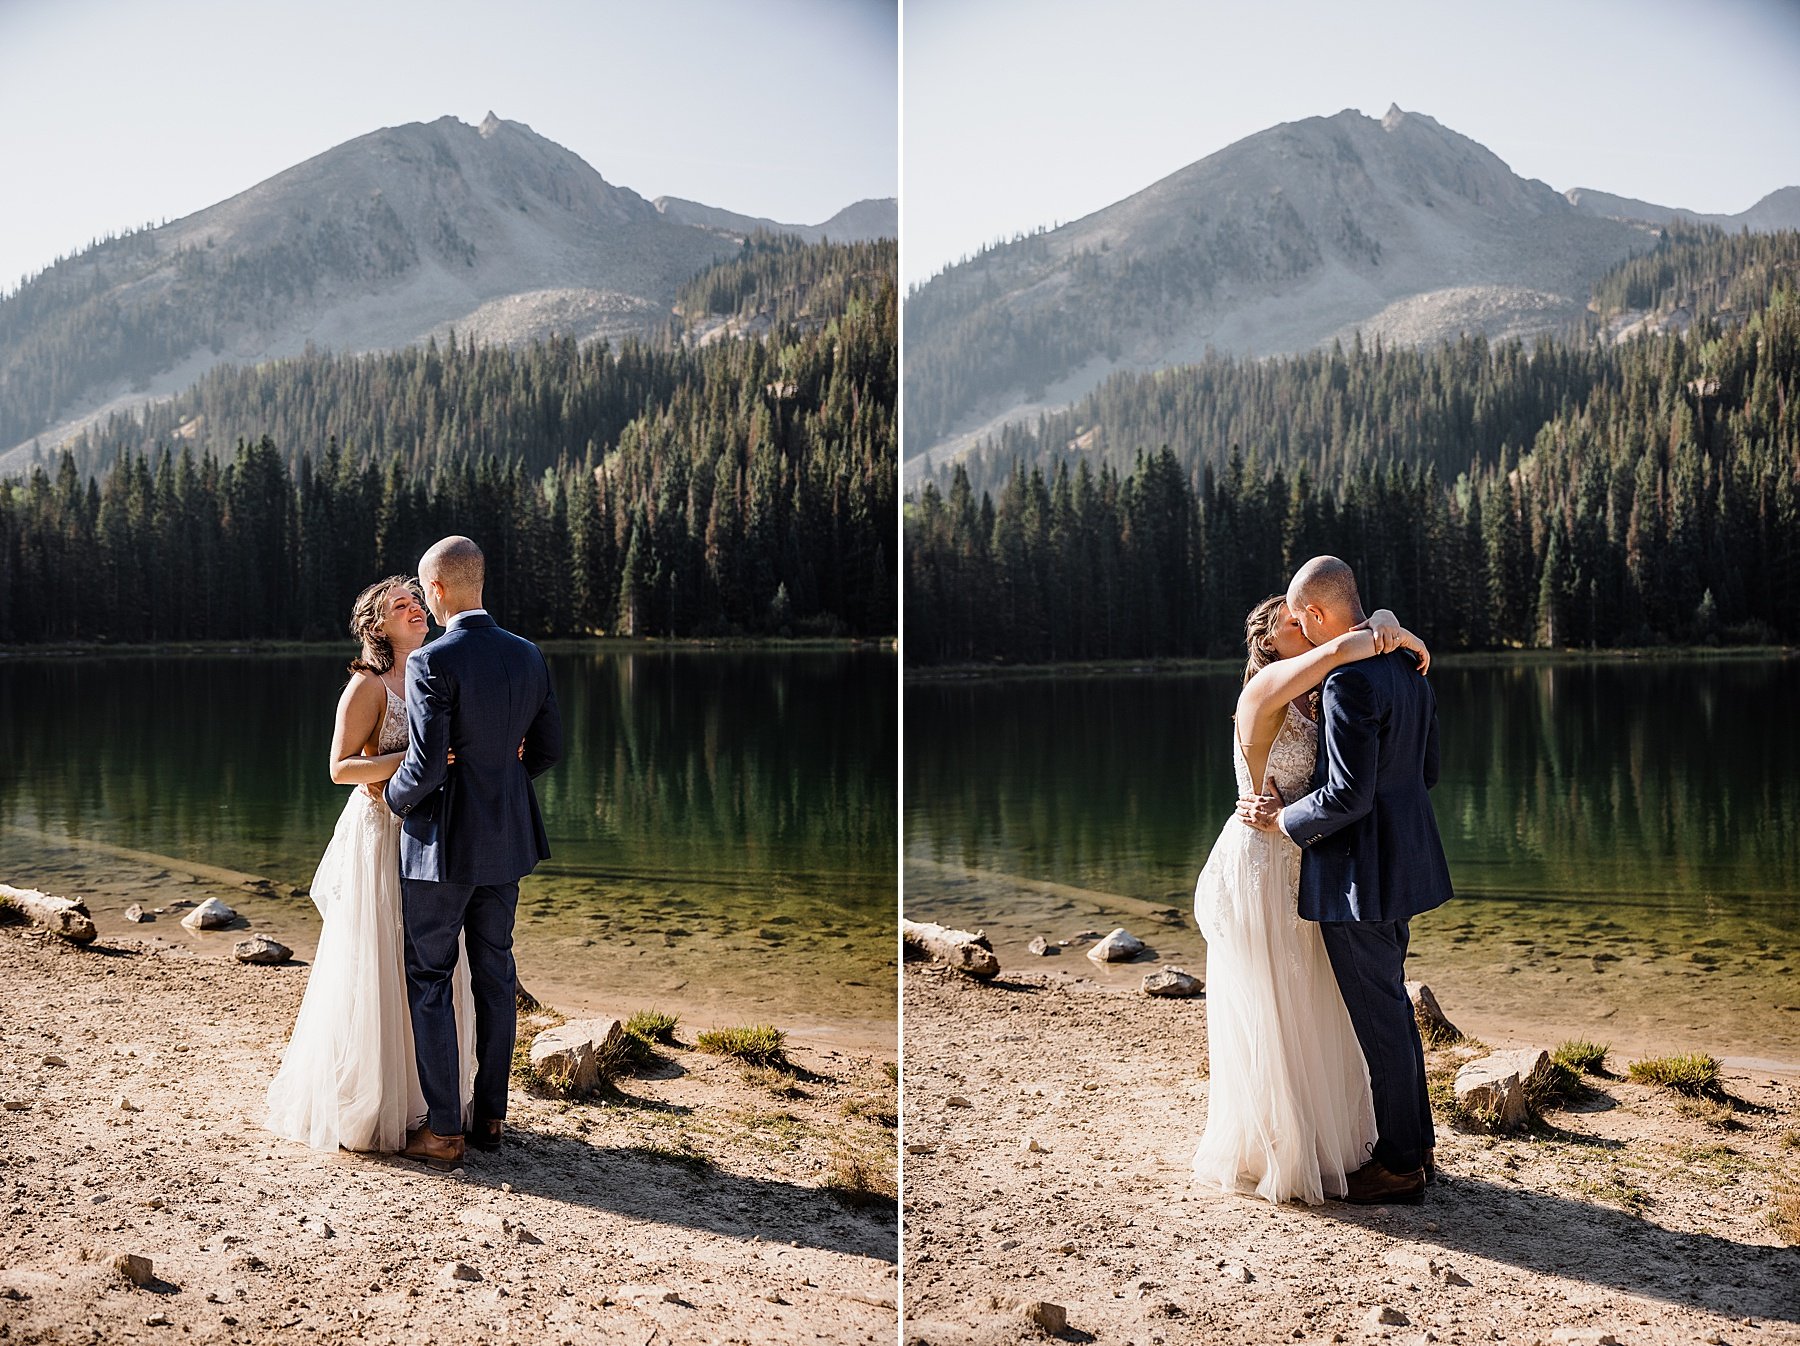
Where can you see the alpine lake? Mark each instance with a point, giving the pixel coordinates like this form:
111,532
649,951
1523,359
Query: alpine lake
1623,835
722,824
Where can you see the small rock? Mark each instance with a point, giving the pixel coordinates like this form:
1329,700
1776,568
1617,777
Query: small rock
1241,1274
135,913
1173,983
506,1187
261,949
1386,1315
1117,947
211,914
124,1104
54,1061
520,1234
246,1261
957,1101
570,1055
1050,1317
1451,1276
1591,1336
460,1271
134,1268
16,1104
153,1202
157,1320
921,1147
1031,1146
1043,948
1065,1248
1431,1018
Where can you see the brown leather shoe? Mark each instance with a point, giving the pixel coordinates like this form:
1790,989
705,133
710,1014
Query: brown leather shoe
439,1151
1374,1185
485,1133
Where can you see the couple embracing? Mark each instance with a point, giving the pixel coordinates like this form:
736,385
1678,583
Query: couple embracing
404,1038
1318,1073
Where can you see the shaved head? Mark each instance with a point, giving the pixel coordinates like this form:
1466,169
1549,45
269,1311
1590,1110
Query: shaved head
1323,595
452,572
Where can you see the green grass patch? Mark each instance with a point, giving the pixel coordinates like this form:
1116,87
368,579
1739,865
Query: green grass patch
1784,1215
1584,1058
653,1026
875,1110
761,1045
1695,1074
1557,1083
891,1069
681,1151
1616,1190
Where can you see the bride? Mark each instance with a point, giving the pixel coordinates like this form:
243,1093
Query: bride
348,1078
1289,1113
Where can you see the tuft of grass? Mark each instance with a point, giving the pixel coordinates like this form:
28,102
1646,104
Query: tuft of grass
760,1045
1785,1215
1556,1084
1583,1057
681,1152
1790,1140
876,1110
653,1026
1713,1112
892,1070
858,1177
1618,1190
1695,1074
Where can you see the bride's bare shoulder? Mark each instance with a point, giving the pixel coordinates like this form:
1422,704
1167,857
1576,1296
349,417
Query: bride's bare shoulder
363,686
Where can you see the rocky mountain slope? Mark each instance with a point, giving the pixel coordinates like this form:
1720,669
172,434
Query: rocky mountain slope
1778,210
1309,231
860,222
376,244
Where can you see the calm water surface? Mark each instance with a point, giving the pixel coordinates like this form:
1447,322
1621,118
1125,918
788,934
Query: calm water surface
722,824
1624,836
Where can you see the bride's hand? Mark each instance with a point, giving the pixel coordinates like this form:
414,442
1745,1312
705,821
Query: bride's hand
1386,630
1408,641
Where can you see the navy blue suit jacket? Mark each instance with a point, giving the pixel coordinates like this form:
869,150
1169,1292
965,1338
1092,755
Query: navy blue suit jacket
1368,836
478,690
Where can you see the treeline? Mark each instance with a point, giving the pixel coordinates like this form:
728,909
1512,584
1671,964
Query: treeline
1653,495
744,487
1703,269
783,279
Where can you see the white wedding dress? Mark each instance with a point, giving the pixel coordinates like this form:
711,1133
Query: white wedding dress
349,1078
1289,1112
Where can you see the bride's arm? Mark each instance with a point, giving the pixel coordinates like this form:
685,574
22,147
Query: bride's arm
1277,683
359,711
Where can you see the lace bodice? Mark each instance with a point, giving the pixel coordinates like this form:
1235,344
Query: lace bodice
391,737
1291,757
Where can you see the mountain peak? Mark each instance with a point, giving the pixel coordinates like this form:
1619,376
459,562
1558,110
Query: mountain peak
489,125
1392,119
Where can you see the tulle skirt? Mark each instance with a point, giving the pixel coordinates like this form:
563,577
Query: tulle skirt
348,1078
1289,1112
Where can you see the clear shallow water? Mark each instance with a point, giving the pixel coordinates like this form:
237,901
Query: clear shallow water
1624,836
722,824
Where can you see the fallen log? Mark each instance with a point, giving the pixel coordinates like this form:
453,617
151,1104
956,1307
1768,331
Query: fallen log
966,952
65,916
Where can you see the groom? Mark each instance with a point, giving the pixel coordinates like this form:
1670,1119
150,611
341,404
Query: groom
470,830
1371,859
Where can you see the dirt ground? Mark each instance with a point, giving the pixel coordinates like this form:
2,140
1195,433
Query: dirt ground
707,1203
1622,1218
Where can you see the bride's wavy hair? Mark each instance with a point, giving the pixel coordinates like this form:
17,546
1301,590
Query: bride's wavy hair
366,617
1259,634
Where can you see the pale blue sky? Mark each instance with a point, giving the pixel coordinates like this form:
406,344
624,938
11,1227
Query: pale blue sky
1022,113
122,111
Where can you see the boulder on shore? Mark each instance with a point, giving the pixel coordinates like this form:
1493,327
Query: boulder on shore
261,949
211,914
1119,947
1493,1087
1434,1027
1174,983
571,1055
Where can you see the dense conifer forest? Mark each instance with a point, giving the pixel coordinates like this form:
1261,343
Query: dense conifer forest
738,487
1573,492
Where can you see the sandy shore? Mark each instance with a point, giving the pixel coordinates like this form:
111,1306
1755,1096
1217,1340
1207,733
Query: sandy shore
1622,1219
697,1207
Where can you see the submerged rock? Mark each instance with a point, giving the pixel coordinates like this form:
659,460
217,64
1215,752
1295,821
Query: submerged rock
211,914
1118,947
